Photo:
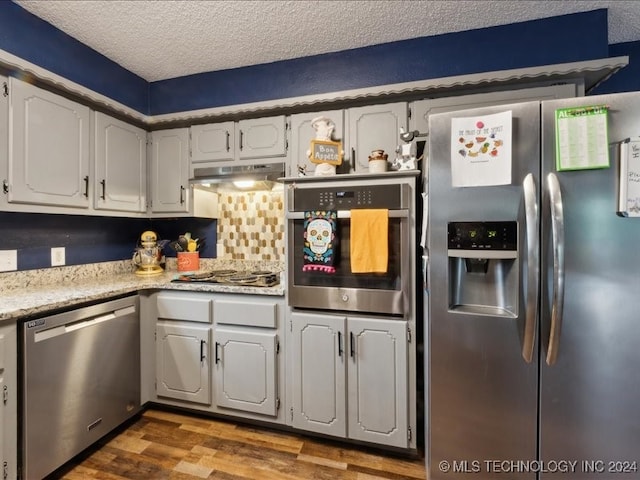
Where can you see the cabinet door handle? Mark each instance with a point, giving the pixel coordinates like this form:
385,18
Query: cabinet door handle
353,159
241,137
86,186
228,145
181,194
352,344
202,344
339,344
217,358
104,188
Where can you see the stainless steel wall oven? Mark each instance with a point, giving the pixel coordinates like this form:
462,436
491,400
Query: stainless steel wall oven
388,293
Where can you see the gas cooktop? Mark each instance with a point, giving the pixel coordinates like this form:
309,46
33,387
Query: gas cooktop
253,278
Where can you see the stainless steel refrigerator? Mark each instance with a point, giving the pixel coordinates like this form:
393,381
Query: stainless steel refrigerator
533,338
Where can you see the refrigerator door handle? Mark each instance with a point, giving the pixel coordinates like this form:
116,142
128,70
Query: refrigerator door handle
557,238
531,224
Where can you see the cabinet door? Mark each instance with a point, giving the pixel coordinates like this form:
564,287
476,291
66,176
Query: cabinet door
4,141
49,148
170,171
120,155
262,137
319,393
182,362
212,142
375,127
245,370
301,135
378,381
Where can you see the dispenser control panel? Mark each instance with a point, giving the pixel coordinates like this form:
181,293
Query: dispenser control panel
487,236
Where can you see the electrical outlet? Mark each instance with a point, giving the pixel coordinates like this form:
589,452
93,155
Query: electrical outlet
8,260
57,256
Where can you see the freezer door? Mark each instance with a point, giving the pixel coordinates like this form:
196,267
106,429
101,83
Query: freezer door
590,394
482,391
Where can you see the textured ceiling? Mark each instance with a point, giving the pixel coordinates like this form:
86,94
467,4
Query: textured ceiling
160,39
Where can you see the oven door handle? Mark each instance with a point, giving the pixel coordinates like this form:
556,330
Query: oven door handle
347,214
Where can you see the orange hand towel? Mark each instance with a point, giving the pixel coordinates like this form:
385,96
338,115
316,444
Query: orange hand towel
369,244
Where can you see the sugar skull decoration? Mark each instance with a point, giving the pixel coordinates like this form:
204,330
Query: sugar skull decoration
319,241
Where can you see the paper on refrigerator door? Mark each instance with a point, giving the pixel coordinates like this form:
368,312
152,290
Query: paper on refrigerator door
425,221
629,181
481,150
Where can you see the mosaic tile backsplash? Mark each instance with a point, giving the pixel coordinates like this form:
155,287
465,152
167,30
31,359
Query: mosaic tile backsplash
251,225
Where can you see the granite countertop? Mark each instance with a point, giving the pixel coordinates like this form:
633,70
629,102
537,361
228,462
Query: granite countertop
40,291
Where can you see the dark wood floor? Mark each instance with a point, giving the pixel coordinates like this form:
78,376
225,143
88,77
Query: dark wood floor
163,444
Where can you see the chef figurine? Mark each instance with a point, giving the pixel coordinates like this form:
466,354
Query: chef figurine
324,128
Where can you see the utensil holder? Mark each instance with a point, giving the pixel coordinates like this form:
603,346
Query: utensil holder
188,261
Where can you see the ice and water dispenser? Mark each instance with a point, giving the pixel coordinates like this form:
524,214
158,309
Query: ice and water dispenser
483,268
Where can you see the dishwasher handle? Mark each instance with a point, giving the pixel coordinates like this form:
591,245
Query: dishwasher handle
88,322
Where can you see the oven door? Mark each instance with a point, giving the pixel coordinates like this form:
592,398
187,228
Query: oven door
381,293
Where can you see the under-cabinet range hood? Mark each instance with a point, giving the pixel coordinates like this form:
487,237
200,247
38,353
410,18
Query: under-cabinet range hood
269,172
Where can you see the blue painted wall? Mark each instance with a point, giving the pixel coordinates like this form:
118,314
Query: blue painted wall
566,38
89,239
627,79
37,41
559,39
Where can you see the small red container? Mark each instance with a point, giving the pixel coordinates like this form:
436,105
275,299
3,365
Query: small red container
188,261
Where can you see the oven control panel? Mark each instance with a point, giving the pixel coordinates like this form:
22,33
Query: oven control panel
351,197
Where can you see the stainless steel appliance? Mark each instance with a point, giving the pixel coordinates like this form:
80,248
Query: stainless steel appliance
390,292
532,344
251,278
80,375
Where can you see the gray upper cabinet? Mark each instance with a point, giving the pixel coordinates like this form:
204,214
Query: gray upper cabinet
301,135
49,148
368,128
234,143
262,137
374,127
120,155
169,169
213,142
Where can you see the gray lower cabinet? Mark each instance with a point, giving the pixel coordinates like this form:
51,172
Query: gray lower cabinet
220,353
183,345
8,405
246,354
183,362
350,377
245,370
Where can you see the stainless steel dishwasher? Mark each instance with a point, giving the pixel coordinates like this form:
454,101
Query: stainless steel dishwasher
80,379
